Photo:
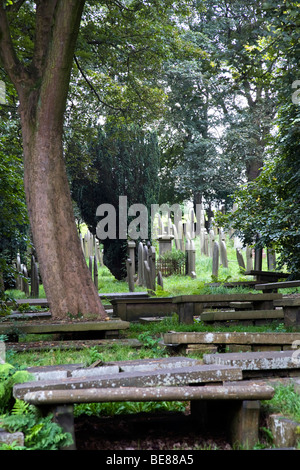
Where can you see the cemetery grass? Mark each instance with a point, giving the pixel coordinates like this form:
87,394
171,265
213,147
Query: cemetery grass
122,420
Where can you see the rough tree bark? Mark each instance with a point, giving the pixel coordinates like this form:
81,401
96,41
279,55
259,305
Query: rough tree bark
42,88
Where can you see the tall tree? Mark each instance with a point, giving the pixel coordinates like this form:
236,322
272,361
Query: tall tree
125,163
42,82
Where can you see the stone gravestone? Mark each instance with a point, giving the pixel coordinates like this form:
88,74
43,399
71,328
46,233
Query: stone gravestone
130,275
271,258
191,258
140,265
25,284
95,272
160,281
212,238
34,279
147,274
215,260
249,258
91,262
152,265
165,243
240,260
131,253
223,254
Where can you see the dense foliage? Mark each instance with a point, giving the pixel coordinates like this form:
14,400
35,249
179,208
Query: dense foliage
268,208
124,162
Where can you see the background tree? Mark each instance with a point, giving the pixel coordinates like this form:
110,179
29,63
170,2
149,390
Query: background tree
125,162
270,205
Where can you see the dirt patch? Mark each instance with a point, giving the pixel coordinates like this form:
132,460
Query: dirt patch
144,431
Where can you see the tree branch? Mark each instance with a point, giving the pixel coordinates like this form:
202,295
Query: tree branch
12,65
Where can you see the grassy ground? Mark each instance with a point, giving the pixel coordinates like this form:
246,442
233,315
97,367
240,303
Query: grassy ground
150,335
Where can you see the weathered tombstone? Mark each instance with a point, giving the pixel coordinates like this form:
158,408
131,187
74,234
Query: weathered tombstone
160,280
131,253
215,260
223,254
258,259
271,258
95,272
212,238
145,258
147,275
180,235
249,258
177,241
152,265
205,245
130,275
25,284
240,260
91,262
191,258
140,265
18,271
165,243
34,279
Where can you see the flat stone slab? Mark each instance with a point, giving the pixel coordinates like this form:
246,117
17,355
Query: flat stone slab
231,338
266,360
287,302
186,393
45,328
242,315
201,374
226,298
73,370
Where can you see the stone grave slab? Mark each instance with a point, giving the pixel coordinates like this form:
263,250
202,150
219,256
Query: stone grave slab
180,374
263,362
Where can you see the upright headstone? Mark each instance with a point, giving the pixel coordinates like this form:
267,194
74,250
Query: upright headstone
223,254
95,272
212,238
34,279
249,258
131,253
147,275
165,243
215,260
91,262
240,260
152,265
25,284
140,265
160,281
177,241
130,275
271,258
258,259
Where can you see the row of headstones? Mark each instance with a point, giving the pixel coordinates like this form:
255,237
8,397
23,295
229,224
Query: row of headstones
28,285
90,246
145,274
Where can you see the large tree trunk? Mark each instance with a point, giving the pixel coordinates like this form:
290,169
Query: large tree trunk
42,90
66,278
